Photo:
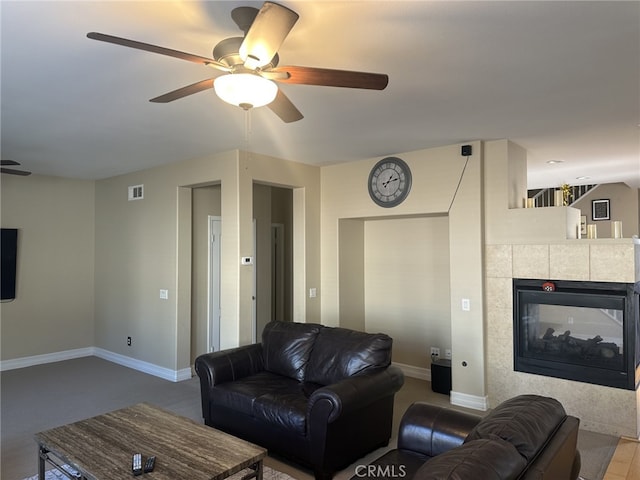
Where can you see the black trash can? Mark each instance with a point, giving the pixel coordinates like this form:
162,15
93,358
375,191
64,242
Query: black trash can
441,376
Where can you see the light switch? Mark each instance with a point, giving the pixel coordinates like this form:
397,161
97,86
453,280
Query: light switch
466,304
164,294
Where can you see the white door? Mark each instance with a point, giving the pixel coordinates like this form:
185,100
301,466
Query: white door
213,296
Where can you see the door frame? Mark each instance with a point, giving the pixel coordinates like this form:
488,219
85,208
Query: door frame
213,284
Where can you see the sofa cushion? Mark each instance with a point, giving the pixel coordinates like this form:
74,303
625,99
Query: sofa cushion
267,397
241,394
525,421
286,347
286,409
479,459
339,353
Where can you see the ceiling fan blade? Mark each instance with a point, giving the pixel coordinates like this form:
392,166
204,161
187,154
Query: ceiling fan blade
269,29
13,171
9,162
285,109
331,78
156,49
184,91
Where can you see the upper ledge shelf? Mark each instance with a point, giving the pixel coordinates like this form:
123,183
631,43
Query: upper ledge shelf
623,241
579,241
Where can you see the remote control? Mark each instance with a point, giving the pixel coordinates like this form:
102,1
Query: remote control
149,464
136,464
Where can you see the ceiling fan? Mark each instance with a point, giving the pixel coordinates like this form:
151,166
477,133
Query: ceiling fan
250,64
12,171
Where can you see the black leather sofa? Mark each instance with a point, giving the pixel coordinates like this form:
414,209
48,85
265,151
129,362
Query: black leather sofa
320,396
527,437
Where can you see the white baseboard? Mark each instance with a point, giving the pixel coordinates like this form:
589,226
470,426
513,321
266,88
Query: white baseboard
140,365
145,367
415,372
457,398
23,362
470,401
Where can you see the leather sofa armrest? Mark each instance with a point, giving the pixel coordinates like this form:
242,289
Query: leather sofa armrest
228,365
352,393
431,430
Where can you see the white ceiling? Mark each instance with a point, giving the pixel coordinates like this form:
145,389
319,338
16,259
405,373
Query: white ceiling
562,79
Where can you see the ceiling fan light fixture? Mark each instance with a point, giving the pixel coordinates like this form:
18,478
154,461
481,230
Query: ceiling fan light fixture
245,90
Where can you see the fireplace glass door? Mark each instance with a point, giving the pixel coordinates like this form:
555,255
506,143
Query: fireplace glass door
579,331
577,335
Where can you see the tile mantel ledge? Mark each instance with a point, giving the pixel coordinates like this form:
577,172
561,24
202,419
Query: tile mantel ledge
604,260
577,241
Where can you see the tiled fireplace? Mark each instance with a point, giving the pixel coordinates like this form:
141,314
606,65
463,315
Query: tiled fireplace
582,331
605,409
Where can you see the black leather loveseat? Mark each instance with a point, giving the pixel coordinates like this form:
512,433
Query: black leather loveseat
321,396
527,437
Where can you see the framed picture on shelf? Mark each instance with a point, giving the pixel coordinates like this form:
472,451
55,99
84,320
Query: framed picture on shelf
583,224
600,209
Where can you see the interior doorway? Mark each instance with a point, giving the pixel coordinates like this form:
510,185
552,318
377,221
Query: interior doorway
273,211
204,205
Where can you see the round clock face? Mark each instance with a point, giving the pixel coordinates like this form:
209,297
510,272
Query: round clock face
389,182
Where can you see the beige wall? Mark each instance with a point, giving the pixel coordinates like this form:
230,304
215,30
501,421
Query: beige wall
407,291
145,246
505,192
96,279
351,264
443,211
53,309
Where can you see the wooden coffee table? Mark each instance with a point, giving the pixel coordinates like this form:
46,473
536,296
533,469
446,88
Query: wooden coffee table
101,447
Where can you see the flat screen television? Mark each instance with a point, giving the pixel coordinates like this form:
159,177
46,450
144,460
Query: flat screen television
8,254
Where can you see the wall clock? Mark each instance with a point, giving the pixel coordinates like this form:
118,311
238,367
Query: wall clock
389,182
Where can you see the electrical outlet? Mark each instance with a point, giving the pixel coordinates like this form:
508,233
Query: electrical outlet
447,353
435,352
129,341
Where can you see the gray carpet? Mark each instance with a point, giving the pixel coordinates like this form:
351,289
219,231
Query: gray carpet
46,396
596,451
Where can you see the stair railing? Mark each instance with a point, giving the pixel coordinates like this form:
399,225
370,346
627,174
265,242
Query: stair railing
546,196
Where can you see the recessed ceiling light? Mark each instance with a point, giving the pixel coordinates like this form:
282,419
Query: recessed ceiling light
552,162
583,177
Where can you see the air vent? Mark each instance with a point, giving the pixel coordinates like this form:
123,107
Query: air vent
136,192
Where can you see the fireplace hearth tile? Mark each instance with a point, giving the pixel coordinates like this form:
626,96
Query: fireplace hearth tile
499,261
569,262
498,293
612,263
531,261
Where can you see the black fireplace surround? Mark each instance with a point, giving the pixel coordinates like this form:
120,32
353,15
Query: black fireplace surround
582,331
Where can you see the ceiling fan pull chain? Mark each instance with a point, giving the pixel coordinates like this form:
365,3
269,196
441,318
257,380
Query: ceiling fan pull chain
247,128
